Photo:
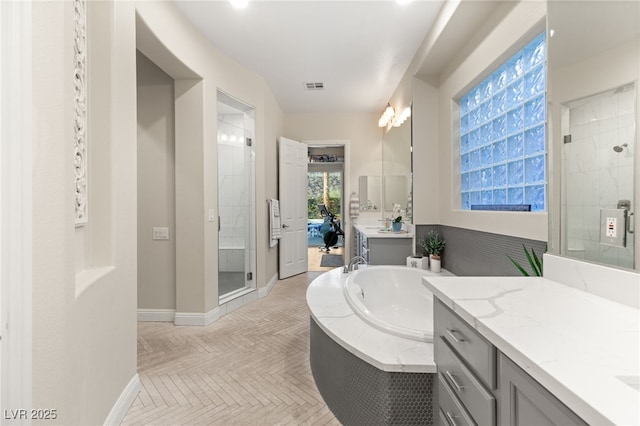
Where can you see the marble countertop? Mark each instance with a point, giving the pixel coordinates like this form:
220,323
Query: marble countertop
386,352
375,231
583,348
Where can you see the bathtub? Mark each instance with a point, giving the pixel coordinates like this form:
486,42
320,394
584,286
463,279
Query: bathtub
393,300
370,357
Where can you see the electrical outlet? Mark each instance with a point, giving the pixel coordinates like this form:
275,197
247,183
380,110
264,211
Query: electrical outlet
612,228
160,233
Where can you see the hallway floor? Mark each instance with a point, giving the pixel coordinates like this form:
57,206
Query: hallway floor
251,367
315,258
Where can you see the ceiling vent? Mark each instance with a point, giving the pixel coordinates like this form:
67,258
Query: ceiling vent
314,86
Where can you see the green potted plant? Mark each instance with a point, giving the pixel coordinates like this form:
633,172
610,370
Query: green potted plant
434,246
397,224
535,263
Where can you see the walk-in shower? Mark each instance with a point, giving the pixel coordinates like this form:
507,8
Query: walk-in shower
598,174
236,197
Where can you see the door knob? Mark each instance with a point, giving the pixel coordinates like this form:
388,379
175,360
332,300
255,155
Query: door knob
284,225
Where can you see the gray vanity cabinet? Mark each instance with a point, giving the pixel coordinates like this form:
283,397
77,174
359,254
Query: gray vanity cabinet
523,401
466,364
382,250
478,385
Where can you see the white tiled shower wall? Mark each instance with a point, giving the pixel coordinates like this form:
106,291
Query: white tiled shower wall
235,200
597,176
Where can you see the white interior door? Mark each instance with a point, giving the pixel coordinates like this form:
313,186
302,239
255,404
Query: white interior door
293,207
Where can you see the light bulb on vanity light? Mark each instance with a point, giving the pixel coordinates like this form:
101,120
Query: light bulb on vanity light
387,116
406,113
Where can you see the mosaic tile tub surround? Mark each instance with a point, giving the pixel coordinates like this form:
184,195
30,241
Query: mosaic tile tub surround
477,253
360,394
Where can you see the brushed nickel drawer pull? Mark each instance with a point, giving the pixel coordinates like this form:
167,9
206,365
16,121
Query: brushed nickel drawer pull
453,381
453,336
451,417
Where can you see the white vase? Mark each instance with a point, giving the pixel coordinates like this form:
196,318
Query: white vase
435,265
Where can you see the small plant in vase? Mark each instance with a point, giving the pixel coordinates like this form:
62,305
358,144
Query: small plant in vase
434,246
397,224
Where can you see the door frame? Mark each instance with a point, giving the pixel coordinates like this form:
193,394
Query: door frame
16,206
346,183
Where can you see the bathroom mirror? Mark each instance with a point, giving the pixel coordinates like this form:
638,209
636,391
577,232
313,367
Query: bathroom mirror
397,190
369,191
593,73
396,168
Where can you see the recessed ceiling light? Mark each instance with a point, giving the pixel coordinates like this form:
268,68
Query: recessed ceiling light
239,4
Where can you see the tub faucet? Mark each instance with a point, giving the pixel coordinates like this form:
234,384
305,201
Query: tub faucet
353,264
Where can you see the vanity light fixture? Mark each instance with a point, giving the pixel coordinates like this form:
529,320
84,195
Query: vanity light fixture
239,4
406,113
387,116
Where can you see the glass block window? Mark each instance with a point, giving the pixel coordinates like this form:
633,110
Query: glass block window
502,133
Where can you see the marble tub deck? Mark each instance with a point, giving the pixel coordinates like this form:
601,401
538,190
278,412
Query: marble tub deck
386,352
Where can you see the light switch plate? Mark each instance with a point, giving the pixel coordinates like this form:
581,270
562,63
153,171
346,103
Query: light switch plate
212,215
613,224
160,233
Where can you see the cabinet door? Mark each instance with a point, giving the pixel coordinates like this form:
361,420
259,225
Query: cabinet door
389,251
523,401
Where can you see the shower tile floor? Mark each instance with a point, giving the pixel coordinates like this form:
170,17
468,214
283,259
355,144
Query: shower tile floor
251,367
230,281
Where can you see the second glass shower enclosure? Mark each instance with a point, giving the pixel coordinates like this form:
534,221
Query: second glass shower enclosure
236,198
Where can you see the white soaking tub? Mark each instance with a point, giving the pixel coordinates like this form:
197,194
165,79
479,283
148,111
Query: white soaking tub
393,300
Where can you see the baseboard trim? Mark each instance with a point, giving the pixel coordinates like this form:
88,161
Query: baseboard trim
124,401
202,319
264,291
196,318
156,315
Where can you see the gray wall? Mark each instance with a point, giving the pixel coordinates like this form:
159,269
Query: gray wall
156,186
476,253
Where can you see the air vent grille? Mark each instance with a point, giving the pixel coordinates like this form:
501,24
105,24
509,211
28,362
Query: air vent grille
314,86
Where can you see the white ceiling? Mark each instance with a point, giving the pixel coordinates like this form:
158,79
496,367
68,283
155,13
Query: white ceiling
359,49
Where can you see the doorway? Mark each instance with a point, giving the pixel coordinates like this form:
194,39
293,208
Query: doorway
325,207
236,197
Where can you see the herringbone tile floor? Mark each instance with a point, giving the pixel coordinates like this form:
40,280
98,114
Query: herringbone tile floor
251,367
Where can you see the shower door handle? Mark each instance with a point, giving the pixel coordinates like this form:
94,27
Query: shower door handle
629,230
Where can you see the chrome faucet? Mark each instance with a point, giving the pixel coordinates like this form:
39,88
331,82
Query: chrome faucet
353,264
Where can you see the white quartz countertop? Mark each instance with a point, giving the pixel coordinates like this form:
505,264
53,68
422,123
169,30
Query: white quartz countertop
376,231
332,313
583,348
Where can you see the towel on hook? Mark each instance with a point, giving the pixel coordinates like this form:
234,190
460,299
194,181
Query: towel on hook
354,205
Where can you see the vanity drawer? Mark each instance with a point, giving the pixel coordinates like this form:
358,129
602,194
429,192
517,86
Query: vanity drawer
477,352
451,411
473,395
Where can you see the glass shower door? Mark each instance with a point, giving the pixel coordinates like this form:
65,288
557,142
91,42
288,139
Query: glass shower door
598,167
236,198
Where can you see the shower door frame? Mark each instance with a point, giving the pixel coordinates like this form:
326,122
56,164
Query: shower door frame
247,202
566,189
